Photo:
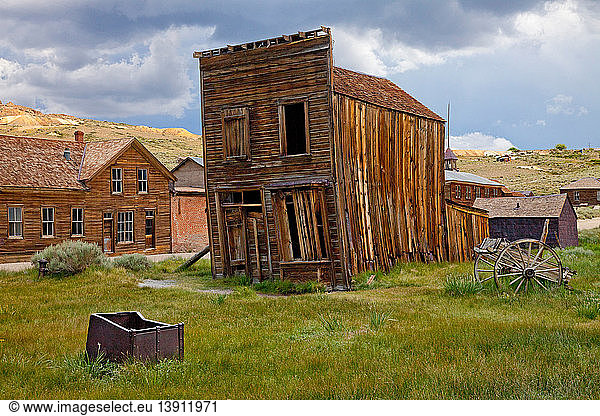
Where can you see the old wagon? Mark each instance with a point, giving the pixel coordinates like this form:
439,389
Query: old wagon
520,265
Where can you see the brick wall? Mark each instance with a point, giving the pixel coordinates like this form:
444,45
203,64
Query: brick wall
189,227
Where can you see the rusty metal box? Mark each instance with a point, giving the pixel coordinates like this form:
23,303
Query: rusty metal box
121,335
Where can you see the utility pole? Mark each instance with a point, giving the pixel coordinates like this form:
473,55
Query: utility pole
448,128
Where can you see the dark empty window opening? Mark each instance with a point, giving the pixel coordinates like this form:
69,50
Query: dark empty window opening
293,226
252,197
295,129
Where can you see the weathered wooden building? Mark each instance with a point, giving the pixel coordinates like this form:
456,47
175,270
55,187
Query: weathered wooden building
463,187
514,218
114,193
189,231
585,191
315,172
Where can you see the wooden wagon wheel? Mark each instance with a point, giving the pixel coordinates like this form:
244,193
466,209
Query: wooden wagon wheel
527,265
483,270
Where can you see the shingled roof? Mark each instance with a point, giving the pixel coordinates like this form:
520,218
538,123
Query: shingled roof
547,206
41,163
583,183
378,91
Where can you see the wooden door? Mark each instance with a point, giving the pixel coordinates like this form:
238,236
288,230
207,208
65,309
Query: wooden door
257,246
107,233
235,226
150,228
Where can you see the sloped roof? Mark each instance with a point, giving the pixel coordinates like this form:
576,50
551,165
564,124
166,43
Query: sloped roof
98,154
195,159
449,155
378,91
546,206
453,175
583,183
39,163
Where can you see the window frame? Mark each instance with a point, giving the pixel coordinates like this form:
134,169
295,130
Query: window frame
281,103
113,181
477,192
467,193
576,196
142,181
123,233
15,236
457,192
486,192
242,115
82,221
44,222
598,196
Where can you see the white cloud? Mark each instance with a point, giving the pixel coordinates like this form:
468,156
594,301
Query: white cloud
141,78
479,141
540,123
563,104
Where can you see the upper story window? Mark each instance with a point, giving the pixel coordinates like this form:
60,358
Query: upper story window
15,222
477,192
77,222
576,196
597,195
236,133
293,127
457,192
495,192
142,180
47,222
468,192
487,192
116,175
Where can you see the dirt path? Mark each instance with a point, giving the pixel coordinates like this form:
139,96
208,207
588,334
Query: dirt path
588,224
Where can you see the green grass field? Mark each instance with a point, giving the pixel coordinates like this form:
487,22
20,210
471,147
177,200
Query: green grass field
403,336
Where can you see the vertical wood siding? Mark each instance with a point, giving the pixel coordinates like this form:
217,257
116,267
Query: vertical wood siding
390,175
467,227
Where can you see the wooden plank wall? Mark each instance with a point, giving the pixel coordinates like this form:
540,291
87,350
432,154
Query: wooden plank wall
390,175
467,227
95,202
259,79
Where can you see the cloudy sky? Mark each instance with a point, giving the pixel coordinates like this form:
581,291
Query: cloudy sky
516,72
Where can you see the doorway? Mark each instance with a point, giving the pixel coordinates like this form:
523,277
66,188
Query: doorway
107,233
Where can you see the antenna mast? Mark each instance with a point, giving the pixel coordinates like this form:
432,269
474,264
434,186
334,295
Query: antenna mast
448,129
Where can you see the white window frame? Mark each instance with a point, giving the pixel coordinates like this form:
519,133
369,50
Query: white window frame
12,224
495,192
77,221
468,193
576,196
457,193
477,192
125,230
47,221
116,181
142,181
597,195
487,192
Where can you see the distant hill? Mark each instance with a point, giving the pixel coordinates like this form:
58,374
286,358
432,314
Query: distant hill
167,144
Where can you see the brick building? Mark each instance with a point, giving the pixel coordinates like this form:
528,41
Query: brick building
585,191
515,218
188,207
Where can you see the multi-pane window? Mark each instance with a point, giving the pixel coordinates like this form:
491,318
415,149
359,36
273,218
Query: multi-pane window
597,195
293,128
487,192
576,196
236,133
117,180
142,179
125,227
495,192
77,221
468,192
457,192
47,222
15,222
477,192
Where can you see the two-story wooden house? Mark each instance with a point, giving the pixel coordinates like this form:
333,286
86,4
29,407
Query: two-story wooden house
315,172
114,193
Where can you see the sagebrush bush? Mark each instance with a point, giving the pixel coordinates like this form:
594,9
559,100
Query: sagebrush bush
461,285
135,262
70,257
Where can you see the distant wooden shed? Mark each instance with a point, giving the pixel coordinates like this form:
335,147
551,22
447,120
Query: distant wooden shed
585,191
514,218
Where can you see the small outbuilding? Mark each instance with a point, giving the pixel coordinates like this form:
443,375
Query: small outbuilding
515,218
585,191
188,206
